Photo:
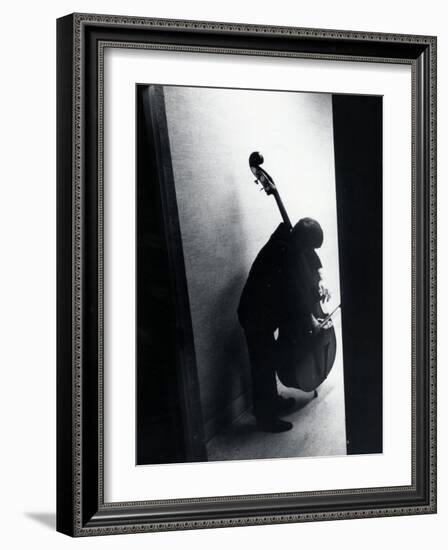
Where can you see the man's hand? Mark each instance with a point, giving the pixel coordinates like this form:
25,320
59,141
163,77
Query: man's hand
324,293
327,325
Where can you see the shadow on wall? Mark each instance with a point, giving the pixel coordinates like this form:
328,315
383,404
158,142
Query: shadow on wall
227,388
219,279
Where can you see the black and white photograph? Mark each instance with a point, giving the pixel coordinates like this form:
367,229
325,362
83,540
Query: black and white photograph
222,236
259,247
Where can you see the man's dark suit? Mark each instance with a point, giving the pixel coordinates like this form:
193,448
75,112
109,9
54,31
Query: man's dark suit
274,291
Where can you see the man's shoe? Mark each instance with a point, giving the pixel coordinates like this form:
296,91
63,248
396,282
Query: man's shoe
284,404
274,425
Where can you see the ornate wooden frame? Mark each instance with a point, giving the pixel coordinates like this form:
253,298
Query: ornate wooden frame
81,510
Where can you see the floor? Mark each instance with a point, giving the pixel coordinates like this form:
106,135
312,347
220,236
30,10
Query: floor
318,427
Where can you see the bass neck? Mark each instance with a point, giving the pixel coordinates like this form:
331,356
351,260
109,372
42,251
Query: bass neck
282,209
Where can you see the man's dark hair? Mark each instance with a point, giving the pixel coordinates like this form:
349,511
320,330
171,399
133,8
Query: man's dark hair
307,233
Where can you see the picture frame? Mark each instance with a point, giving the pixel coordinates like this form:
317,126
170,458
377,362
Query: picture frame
81,506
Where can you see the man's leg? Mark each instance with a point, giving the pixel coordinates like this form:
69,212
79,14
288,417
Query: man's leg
265,396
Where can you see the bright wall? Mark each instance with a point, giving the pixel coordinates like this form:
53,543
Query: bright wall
225,220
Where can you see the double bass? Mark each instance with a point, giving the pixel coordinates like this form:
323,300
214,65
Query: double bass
305,352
